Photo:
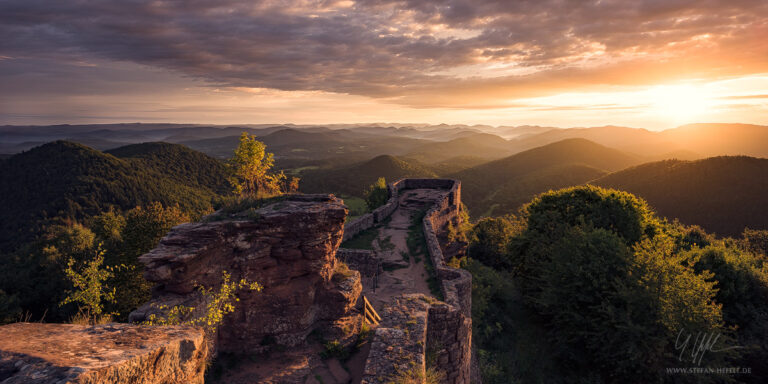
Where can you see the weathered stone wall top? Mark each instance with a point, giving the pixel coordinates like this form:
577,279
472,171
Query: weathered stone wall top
399,343
114,353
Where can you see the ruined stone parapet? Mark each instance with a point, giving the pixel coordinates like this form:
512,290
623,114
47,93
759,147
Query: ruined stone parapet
449,324
364,261
34,353
449,342
288,247
398,348
358,225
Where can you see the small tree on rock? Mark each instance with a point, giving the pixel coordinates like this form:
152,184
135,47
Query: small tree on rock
250,166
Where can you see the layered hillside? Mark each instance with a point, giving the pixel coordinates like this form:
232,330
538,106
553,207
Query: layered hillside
314,144
501,186
178,163
67,181
487,146
353,180
721,194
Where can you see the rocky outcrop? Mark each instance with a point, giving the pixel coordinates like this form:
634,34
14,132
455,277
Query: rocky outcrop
288,247
33,353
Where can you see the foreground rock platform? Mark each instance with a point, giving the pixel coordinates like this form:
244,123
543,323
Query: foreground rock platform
112,353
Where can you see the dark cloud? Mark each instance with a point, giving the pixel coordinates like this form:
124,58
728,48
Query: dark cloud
400,48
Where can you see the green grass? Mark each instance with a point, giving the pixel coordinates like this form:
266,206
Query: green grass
363,240
243,207
417,247
357,207
386,244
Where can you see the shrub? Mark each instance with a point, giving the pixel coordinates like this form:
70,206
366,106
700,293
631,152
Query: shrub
377,194
220,304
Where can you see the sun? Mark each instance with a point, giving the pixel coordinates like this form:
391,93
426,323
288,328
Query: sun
679,103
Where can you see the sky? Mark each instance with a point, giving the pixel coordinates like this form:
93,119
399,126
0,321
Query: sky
643,63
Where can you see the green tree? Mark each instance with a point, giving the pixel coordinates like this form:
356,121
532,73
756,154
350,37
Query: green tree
377,194
488,242
756,240
140,231
219,304
742,281
33,277
90,291
612,283
9,308
250,167
108,228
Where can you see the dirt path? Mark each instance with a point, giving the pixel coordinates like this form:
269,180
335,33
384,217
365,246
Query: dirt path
404,271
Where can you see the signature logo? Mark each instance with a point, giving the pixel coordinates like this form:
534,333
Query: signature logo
696,347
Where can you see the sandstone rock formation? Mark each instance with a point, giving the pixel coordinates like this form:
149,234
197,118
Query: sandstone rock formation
288,247
35,353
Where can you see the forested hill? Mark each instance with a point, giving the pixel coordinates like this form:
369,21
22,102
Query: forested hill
501,186
352,180
721,194
177,162
62,181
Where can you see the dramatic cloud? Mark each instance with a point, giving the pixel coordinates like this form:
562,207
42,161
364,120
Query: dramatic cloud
421,53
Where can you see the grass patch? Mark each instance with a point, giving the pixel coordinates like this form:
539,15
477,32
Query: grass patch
357,207
390,268
342,271
417,247
416,242
239,207
363,240
334,349
386,244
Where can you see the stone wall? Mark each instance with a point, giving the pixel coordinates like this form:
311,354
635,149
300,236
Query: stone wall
34,353
364,261
358,225
287,247
449,342
448,338
399,344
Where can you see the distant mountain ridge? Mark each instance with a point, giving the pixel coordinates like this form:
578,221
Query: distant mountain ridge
364,141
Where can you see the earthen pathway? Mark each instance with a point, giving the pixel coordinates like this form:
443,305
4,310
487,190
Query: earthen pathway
403,271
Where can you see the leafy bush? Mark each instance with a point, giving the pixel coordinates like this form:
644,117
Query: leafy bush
377,194
613,287
220,303
91,292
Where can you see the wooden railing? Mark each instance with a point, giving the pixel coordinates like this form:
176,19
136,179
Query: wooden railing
370,316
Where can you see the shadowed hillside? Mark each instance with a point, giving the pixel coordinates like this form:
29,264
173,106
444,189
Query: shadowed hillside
178,163
503,185
721,194
63,180
354,179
